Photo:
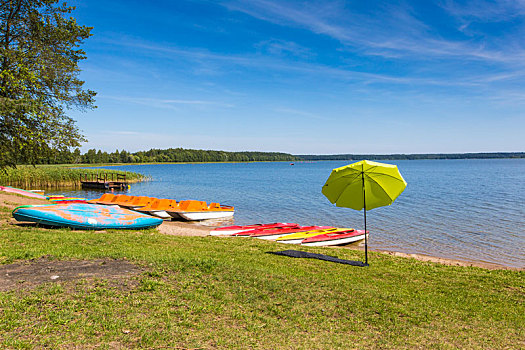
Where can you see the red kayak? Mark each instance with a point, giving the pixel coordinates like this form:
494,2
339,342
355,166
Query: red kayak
277,233
69,201
232,230
248,233
336,238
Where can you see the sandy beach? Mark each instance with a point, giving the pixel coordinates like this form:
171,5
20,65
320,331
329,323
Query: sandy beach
177,228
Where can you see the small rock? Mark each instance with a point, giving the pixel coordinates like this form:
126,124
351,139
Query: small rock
54,277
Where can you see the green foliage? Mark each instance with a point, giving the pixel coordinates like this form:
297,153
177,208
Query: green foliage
171,155
357,157
39,55
55,177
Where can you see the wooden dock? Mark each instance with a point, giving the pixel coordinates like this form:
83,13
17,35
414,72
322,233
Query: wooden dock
104,181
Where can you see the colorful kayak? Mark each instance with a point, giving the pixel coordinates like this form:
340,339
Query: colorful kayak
248,233
297,238
22,192
65,200
86,217
276,234
231,230
335,238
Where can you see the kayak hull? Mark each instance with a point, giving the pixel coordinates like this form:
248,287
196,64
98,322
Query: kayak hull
232,230
159,213
334,240
273,235
86,217
22,192
204,215
297,238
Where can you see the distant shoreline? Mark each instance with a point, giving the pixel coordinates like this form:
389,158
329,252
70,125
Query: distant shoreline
415,156
192,156
347,157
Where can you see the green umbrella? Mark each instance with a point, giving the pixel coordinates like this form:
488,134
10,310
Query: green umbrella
364,185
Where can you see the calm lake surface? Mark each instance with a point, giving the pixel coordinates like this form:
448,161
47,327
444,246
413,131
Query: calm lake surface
462,209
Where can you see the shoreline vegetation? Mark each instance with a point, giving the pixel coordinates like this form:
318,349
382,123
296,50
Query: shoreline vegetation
36,177
181,155
352,157
173,288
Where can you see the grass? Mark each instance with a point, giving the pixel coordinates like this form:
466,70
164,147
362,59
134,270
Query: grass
55,176
209,292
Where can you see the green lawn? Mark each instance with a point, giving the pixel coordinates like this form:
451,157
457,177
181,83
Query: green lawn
209,292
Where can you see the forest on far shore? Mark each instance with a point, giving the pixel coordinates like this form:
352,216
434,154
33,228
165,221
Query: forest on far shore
181,155
170,155
356,157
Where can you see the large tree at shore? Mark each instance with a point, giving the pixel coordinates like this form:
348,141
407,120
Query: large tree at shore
39,79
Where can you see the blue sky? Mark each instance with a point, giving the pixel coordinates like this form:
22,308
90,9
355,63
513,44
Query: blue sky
305,77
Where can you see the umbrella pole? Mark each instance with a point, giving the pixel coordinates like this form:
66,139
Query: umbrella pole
364,210
366,243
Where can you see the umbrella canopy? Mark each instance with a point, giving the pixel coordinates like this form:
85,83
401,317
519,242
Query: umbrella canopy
382,184
364,185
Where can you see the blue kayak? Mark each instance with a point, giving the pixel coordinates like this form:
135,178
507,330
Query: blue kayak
86,216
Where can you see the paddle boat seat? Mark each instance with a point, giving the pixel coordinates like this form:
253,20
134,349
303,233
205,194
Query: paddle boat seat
137,202
192,205
160,204
218,207
106,197
118,199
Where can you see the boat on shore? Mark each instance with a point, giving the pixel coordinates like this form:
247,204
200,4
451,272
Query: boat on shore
248,233
111,199
159,208
189,210
85,217
64,200
298,237
137,202
276,234
231,230
22,192
192,210
335,238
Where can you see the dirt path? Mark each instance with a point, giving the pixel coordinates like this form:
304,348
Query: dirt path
31,273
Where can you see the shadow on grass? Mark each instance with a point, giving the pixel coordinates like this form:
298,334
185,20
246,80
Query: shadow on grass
301,254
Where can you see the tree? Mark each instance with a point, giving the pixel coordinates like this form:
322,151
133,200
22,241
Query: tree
39,80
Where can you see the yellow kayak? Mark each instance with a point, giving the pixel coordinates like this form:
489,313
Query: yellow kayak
297,238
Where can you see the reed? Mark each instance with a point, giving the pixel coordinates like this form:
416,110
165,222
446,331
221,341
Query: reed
57,177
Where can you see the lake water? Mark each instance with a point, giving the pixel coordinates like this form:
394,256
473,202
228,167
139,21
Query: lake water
462,209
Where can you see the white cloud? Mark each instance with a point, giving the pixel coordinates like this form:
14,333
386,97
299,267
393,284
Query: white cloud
391,30
285,110
487,11
267,64
166,103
